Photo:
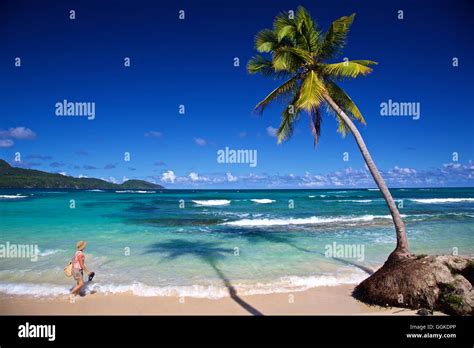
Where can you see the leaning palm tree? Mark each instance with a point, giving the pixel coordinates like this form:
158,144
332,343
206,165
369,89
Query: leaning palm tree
299,53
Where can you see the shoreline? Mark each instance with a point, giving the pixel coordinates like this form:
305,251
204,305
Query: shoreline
324,300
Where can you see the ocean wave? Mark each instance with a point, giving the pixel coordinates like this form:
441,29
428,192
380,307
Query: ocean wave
301,283
49,252
96,190
313,220
135,191
17,196
421,217
441,200
263,200
311,196
140,289
211,291
36,290
355,200
212,202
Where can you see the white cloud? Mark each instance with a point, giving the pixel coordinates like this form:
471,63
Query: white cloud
402,171
200,141
452,165
193,176
18,133
231,178
168,176
310,180
447,174
62,173
271,131
6,143
153,134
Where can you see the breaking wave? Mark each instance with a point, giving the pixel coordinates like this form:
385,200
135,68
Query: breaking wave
18,196
313,220
211,291
441,200
263,200
212,202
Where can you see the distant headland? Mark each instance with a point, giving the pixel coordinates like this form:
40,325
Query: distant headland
21,178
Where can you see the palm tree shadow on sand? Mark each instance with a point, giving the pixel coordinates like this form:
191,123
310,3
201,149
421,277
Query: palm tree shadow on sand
208,252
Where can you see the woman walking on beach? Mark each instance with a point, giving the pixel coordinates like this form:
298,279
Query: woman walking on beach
78,267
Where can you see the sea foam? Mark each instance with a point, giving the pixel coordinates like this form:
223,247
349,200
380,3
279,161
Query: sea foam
263,200
355,200
18,196
212,202
210,291
441,200
313,220
134,191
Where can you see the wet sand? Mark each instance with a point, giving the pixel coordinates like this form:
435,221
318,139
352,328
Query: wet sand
325,300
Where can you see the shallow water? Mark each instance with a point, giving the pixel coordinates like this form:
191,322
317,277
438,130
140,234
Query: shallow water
148,243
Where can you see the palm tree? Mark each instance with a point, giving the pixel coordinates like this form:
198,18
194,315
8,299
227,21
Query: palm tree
299,53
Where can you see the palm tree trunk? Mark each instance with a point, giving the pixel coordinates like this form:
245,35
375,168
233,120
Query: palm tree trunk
401,250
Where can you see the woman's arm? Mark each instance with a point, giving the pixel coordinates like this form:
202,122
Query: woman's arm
81,259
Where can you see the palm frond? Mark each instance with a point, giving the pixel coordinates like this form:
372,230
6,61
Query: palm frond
364,62
281,90
342,128
266,41
315,121
307,28
344,102
284,26
347,69
288,119
335,38
301,54
311,92
259,64
284,59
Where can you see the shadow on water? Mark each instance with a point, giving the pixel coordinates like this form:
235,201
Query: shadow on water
173,221
258,237
208,252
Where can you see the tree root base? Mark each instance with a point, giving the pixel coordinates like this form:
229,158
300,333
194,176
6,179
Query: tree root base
443,283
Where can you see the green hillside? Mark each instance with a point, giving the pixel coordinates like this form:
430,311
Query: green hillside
14,177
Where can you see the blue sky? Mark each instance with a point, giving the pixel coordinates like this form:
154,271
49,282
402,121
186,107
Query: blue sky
190,62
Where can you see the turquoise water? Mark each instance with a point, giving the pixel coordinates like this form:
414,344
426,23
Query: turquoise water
145,242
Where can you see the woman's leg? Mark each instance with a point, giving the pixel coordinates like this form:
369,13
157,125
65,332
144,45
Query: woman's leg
77,288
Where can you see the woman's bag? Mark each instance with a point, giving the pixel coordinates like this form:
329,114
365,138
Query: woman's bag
68,268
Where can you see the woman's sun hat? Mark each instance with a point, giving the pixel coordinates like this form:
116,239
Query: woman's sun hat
81,245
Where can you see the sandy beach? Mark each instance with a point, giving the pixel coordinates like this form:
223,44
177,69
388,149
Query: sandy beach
334,300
